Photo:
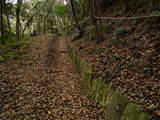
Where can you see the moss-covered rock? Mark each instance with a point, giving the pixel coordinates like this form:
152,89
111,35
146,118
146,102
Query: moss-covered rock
78,64
106,94
116,105
95,91
132,112
100,89
86,75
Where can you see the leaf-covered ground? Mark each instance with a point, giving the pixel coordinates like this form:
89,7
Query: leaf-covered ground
43,85
130,61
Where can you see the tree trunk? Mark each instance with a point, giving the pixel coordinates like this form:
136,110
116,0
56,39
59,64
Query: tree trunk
2,22
76,21
74,15
126,5
19,2
97,29
44,26
9,25
38,25
83,7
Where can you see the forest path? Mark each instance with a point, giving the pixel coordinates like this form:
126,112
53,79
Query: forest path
43,85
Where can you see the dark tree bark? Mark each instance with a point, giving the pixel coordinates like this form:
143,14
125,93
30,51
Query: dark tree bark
8,20
44,26
126,5
83,7
49,10
74,15
2,22
9,24
76,21
18,9
97,28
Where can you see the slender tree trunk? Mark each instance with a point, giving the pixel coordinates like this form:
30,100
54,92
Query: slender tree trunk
126,5
76,21
9,25
19,2
74,15
97,30
38,25
83,7
2,22
49,10
44,26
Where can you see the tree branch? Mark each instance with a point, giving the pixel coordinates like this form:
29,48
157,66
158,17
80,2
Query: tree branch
126,18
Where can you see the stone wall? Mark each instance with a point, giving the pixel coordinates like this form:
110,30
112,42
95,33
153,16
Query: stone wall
117,106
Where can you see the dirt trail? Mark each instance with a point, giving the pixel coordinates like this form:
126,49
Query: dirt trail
43,85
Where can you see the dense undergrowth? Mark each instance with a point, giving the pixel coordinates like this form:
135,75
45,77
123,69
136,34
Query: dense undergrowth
13,49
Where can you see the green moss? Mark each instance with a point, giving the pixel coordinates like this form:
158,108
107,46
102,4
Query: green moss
155,12
101,89
97,90
78,64
132,112
71,53
108,28
101,92
116,105
2,59
94,89
121,31
86,75
107,94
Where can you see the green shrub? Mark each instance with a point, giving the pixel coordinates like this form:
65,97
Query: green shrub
119,22
155,12
85,22
142,2
90,33
108,28
121,31
12,50
1,59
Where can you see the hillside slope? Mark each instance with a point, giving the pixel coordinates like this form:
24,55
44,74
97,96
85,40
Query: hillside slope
129,56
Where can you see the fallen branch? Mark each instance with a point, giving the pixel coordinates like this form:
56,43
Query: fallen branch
126,18
61,51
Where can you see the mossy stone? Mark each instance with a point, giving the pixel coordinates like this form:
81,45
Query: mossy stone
116,105
101,89
106,94
94,89
132,112
98,87
86,75
78,64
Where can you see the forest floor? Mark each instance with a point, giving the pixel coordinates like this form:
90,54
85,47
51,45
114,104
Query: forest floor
43,85
129,55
